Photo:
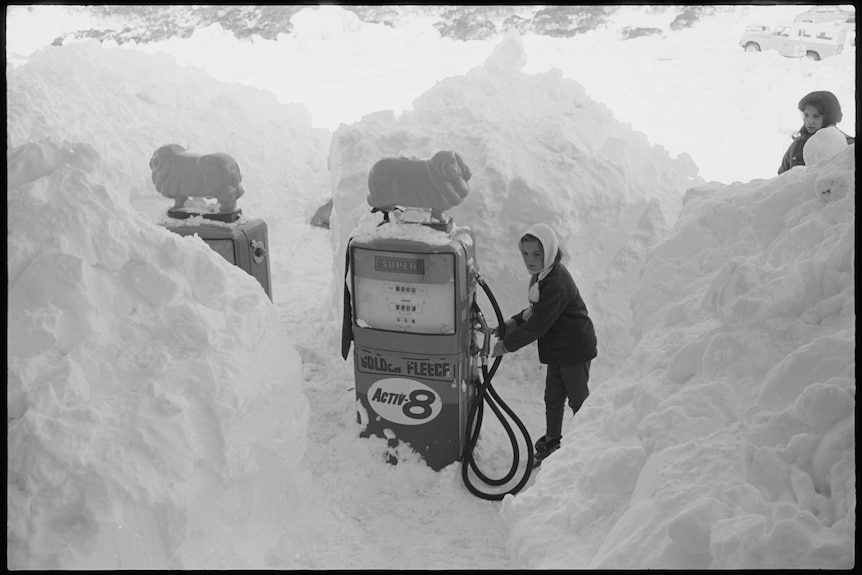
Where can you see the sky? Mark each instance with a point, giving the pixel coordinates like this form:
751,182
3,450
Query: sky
164,412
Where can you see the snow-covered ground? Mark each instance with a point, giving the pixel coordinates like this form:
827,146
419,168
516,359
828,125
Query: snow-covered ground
163,413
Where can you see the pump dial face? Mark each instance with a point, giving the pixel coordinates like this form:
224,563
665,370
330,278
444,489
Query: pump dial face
405,292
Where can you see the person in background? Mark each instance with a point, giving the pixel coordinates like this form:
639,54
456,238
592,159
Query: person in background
819,137
558,319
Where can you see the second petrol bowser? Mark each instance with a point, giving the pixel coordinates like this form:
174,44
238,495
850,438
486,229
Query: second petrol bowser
182,176
411,313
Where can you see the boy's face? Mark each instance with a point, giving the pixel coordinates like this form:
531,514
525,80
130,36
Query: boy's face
534,255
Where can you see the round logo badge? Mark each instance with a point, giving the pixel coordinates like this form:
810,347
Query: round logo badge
404,401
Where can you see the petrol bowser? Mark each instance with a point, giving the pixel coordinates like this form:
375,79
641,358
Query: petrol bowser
413,354
242,243
421,375
182,176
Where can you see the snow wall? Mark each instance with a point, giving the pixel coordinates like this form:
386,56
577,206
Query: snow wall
151,387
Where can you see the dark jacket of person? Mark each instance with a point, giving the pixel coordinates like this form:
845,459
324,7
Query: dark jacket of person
793,155
559,321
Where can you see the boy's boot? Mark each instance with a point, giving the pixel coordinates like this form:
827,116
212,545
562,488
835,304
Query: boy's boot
545,447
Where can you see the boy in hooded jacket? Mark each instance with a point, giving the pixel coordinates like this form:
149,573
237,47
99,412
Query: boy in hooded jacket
558,319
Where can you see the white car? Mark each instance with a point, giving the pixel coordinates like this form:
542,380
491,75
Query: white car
821,14
796,40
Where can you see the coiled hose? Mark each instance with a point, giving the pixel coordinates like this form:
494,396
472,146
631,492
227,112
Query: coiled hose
487,394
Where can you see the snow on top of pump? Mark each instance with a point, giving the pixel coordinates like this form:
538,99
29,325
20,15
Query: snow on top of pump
408,231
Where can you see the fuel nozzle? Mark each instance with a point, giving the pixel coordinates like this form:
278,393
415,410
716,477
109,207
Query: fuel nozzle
479,324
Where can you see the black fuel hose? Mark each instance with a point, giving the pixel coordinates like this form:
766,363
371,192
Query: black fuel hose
487,394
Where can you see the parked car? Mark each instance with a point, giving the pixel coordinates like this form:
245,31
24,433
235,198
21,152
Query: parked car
814,41
821,14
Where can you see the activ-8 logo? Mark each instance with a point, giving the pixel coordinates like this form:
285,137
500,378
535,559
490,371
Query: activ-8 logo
404,401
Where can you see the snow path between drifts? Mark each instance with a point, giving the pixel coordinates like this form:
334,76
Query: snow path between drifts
357,528
376,512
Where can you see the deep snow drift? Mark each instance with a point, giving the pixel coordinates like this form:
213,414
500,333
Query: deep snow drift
160,416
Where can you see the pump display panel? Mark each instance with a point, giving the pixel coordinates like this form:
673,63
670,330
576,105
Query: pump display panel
407,292
223,247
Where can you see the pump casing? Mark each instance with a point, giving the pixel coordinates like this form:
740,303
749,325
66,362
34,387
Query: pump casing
411,292
243,243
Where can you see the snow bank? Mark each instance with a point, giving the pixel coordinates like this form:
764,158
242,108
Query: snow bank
726,440
540,150
153,395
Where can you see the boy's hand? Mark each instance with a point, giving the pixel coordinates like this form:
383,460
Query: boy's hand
509,325
499,349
